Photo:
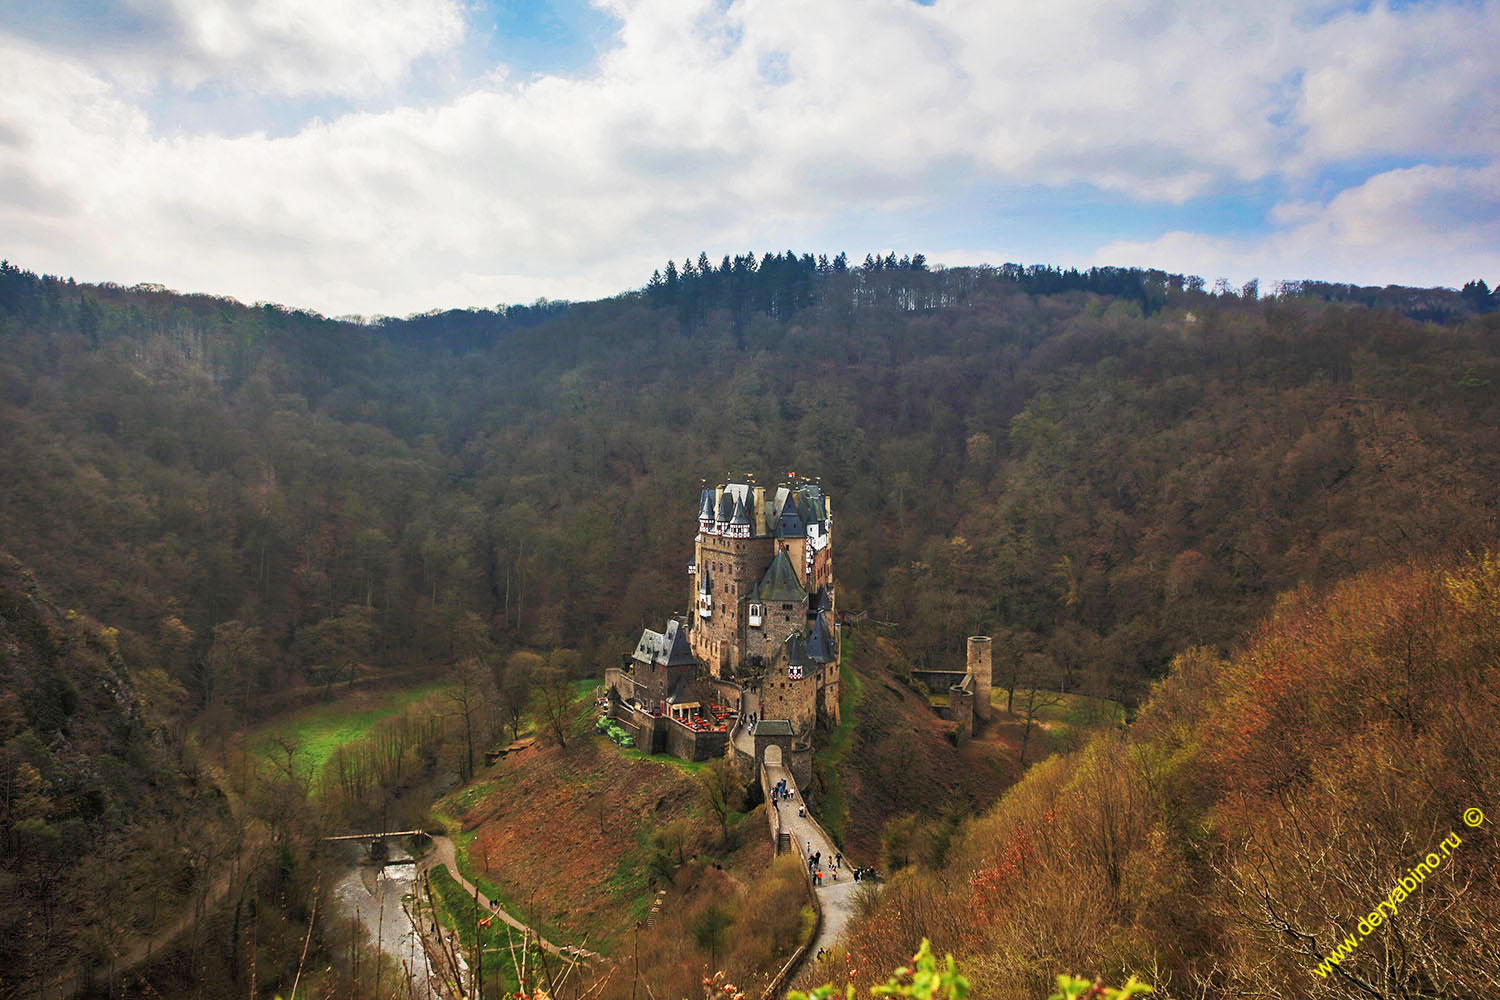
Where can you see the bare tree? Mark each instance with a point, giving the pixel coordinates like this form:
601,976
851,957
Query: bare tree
467,696
515,688
554,696
721,790
1035,667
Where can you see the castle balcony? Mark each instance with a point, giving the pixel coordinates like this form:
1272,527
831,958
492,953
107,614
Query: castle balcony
692,569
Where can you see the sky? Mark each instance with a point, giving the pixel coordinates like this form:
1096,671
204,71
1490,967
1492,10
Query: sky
387,157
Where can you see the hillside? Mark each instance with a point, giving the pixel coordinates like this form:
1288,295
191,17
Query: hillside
899,758
1101,469
107,822
1256,814
1105,471
616,850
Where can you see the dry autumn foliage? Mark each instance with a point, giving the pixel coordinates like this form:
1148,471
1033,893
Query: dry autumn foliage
1259,806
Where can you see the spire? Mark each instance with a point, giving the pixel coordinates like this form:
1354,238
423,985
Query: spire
789,522
820,641
796,655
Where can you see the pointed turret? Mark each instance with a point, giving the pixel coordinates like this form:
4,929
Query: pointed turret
796,655
789,522
820,641
739,522
705,593
705,509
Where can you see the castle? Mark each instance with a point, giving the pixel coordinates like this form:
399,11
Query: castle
761,637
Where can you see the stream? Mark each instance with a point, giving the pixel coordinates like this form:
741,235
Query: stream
371,894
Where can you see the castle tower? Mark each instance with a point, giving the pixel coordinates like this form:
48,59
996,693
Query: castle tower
981,668
762,567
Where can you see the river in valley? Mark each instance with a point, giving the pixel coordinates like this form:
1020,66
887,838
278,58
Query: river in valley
372,894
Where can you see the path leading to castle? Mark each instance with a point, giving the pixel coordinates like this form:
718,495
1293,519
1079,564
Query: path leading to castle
808,837
749,705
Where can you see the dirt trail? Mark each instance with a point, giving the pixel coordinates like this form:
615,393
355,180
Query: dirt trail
443,851
67,986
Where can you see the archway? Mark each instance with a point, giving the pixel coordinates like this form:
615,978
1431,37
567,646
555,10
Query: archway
773,756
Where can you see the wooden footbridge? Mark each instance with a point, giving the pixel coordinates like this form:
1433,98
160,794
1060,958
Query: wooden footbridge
379,836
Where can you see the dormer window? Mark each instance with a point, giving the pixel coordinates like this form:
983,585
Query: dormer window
794,671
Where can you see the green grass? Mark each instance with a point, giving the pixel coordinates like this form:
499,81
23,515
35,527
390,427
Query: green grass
630,882
688,767
458,911
1079,710
318,732
835,812
449,811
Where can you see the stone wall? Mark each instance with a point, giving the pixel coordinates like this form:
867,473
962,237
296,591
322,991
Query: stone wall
961,709
689,744
793,700
938,681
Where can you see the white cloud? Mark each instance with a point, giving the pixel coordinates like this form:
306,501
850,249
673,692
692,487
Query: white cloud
732,129
1416,226
1424,81
281,47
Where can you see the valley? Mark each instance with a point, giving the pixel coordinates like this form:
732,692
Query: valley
275,578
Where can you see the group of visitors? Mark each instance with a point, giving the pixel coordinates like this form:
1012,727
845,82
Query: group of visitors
751,721
815,865
782,791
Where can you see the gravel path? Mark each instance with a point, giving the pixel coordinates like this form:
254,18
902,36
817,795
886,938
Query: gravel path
447,854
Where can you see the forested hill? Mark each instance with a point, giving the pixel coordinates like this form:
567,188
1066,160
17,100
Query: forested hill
1099,467
1304,818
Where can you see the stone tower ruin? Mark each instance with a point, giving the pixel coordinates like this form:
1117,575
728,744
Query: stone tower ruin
981,669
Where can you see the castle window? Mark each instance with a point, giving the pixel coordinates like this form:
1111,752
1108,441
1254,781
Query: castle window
755,617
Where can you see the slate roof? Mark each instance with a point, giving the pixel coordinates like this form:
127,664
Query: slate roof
705,581
820,641
668,648
796,650
706,505
810,503
741,516
774,727
780,584
789,522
